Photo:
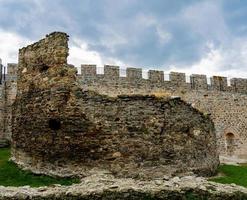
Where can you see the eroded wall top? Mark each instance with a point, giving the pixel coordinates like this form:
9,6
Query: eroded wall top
40,63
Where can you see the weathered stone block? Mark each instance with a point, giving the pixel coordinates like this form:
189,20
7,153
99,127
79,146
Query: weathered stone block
134,74
198,82
156,76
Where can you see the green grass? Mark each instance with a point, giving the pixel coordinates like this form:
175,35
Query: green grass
232,174
11,175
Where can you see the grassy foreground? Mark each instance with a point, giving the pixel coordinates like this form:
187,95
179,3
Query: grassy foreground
11,175
232,174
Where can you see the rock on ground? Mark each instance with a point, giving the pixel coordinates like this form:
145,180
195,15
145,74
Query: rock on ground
105,186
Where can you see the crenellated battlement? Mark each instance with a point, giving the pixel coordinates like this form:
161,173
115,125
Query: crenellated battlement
12,69
155,78
175,79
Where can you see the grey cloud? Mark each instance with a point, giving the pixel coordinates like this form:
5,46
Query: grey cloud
157,33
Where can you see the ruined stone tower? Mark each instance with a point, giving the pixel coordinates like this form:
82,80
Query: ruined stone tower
61,128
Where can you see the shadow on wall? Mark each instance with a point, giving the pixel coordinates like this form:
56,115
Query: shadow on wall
230,143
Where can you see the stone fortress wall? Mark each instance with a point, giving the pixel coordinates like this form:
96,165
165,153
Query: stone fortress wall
60,128
225,103
8,88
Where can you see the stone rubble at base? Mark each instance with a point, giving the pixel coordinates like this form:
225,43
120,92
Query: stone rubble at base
105,186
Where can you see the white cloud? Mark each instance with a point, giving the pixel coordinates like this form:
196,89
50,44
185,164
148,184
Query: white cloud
228,60
223,53
79,53
208,64
9,46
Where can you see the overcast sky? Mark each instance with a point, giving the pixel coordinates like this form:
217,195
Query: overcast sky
192,36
